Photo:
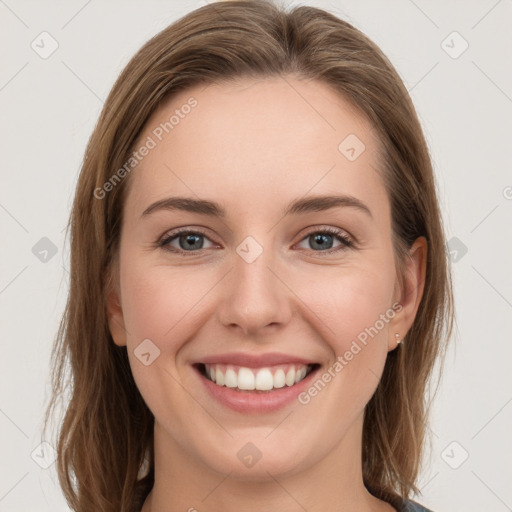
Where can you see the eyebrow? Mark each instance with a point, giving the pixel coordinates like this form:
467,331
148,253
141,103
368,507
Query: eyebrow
298,206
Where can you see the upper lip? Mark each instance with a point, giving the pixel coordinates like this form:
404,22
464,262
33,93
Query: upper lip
254,360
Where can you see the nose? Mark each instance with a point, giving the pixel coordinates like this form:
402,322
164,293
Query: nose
255,299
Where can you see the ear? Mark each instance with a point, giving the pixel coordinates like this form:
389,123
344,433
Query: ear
115,313
409,295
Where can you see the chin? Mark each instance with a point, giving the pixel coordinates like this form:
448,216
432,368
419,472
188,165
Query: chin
253,458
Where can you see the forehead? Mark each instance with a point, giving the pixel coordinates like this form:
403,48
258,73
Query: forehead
256,140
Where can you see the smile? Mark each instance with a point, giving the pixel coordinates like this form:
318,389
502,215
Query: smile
263,379
255,385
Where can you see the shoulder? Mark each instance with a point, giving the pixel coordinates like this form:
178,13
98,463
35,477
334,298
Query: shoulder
411,506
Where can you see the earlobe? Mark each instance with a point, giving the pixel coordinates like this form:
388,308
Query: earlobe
116,319
411,292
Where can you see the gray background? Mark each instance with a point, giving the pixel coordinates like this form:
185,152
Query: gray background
50,105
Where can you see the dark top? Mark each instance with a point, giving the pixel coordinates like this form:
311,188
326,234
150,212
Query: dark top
398,503
411,506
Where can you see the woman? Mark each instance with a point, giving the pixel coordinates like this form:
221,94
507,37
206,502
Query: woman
259,288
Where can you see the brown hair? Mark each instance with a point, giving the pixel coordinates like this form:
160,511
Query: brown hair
106,436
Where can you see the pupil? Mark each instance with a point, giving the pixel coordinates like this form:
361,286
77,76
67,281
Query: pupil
190,240
321,240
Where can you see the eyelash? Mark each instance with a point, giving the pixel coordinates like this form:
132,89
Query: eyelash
346,242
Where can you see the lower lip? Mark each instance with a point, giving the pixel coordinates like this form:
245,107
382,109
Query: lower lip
256,402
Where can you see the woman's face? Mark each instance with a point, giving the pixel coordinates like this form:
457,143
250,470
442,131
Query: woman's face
255,289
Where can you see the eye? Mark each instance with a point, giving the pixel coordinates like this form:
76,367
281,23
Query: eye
323,239
187,240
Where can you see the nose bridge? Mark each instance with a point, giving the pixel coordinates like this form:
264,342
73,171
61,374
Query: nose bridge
253,296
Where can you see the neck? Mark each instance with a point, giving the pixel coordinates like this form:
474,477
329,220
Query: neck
332,481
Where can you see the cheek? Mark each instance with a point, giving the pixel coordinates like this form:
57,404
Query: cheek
157,301
355,314
352,301
160,305
354,309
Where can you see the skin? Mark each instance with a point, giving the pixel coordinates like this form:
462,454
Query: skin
253,146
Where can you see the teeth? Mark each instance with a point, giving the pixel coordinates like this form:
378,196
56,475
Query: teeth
219,377
245,379
231,380
300,374
262,379
290,377
279,379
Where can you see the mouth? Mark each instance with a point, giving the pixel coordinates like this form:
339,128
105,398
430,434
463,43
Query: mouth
268,379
